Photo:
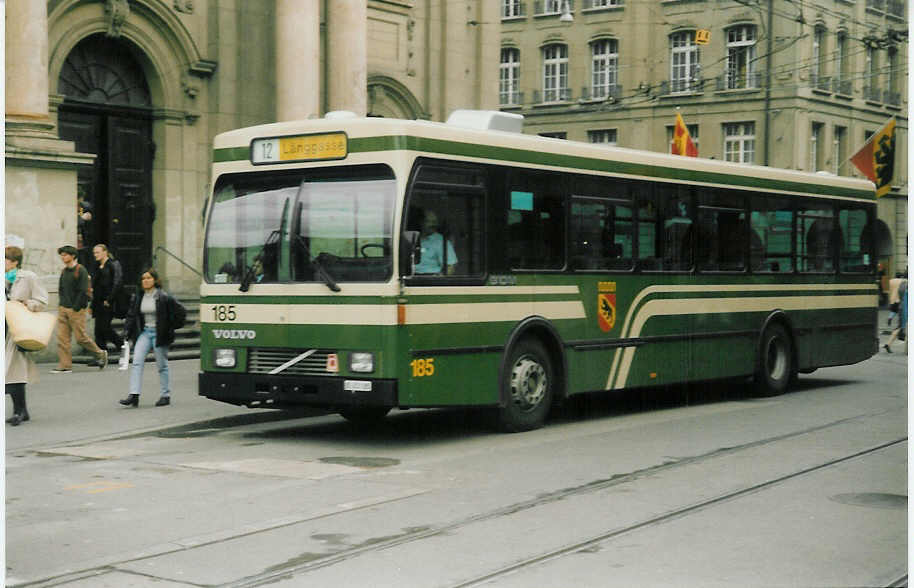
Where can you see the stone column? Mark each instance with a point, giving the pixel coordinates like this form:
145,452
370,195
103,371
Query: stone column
297,59
27,66
347,55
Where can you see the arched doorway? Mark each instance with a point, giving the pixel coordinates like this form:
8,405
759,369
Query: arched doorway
389,98
107,111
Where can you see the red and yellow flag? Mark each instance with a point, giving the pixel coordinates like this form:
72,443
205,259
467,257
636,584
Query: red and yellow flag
682,142
876,159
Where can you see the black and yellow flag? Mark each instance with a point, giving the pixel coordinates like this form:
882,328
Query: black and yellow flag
876,159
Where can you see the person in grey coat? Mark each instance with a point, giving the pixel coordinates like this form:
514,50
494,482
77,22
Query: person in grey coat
21,285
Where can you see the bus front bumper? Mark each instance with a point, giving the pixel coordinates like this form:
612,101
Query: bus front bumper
266,391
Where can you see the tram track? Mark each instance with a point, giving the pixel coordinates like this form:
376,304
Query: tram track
666,517
275,574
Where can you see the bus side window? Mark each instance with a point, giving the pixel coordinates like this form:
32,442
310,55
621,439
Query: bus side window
602,228
722,228
536,221
817,241
648,235
771,224
856,238
446,205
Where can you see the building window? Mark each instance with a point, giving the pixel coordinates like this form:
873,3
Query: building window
816,150
870,74
509,77
684,65
592,4
842,77
741,57
605,66
818,57
554,134
511,9
693,134
548,7
840,151
739,142
603,136
555,73
891,83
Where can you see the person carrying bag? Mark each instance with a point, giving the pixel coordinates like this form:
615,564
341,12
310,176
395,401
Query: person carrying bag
24,287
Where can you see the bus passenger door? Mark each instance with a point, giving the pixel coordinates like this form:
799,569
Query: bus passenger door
446,204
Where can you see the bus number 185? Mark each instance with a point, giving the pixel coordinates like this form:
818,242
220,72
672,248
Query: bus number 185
222,312
423,367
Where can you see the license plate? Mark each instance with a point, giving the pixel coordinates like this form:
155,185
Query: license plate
356,386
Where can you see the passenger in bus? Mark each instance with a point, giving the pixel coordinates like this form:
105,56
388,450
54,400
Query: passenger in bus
435,256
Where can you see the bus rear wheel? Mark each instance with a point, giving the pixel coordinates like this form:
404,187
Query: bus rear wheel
528,386
774,368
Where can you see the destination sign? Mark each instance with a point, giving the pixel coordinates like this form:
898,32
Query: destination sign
299,148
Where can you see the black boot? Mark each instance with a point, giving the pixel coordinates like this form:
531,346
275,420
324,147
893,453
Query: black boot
131,400
17,418
20,412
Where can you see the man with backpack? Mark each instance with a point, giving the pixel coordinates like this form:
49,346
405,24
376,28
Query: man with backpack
73,290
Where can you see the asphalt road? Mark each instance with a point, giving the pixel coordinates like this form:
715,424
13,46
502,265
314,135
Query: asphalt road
693,486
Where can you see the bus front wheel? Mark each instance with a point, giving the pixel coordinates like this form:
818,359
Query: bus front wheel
528,386
774,368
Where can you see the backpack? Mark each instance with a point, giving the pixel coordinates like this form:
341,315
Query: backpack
121,303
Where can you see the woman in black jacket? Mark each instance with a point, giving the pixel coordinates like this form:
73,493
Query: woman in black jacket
152,319
107,282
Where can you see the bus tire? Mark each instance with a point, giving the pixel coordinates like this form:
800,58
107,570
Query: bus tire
527,387
365,416
774,367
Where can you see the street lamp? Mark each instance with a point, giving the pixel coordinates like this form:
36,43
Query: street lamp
566,12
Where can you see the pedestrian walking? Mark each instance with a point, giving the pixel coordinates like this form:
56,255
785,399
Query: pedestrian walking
894,298
24,286
901,331
107,287
152,320
73,289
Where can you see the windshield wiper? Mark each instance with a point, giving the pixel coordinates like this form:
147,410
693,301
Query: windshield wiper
322,272
272,238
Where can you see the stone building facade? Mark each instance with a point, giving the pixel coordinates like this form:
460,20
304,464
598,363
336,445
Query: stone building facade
791,84
111,105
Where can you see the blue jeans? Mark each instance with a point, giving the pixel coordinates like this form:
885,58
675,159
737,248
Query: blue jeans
144,342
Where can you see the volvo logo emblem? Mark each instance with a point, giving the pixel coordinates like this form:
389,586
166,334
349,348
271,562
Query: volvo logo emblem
234,333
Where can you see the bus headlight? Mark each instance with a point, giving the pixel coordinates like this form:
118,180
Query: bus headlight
361,362
225,358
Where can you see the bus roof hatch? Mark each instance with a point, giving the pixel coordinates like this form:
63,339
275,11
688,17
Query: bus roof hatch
488,120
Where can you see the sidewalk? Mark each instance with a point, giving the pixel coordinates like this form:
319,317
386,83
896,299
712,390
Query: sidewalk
83,405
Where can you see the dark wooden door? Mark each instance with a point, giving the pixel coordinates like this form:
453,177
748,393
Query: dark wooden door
117,189
130,205
85,130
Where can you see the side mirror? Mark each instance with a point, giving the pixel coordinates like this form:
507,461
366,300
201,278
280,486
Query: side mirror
410,252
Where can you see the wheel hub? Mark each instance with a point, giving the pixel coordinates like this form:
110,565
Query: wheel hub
528,383
777,359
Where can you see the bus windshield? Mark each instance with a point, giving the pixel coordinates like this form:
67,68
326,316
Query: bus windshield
313,225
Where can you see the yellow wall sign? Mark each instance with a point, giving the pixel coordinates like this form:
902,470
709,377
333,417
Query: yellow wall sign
299,148
702,37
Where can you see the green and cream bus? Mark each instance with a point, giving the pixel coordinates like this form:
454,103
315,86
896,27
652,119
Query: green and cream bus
365,264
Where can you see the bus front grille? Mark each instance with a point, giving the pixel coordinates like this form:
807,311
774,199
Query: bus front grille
263,360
